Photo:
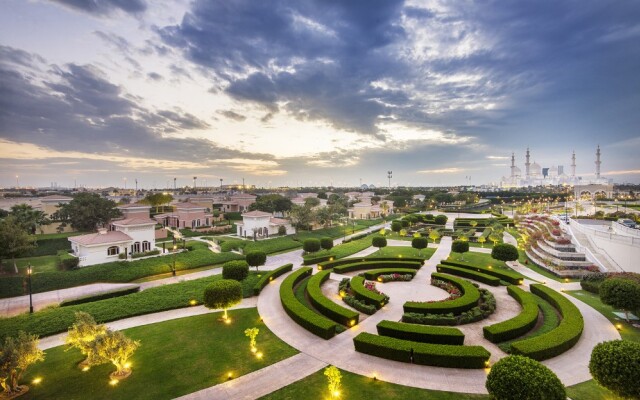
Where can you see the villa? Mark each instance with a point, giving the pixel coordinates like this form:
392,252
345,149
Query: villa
367,210
186,215
260,224
238,203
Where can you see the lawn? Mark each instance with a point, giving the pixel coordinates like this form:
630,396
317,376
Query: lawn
39,264
161,298
345,249
403,251
358,387
175,358
483,259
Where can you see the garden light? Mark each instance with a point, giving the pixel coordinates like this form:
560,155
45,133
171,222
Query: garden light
229,375
127,365
85,369
259,355
227,321
193,302
113,382
619,327
36,381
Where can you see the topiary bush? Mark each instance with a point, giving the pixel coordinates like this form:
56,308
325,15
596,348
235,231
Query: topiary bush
504,252
419,243
519,377
311,245
224,294
326,243
460,246
621,293
237,270
616,366
396,226
379,242
440,219
256,258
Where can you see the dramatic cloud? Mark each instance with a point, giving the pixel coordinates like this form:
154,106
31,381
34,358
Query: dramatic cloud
105,7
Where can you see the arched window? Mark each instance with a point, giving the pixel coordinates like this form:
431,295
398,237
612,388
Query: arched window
136,247
146,246
113,251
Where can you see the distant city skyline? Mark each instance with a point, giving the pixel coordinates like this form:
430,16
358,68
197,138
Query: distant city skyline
314,93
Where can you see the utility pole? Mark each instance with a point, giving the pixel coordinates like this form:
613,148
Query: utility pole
136,187
389,175
220,184
194,183
174,184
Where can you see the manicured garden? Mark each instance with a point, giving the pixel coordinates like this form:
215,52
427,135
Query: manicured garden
175,358
403,251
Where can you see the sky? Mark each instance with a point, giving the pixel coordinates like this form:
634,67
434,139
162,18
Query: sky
102,93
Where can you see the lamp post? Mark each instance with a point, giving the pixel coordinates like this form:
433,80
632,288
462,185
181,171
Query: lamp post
173,268
29,272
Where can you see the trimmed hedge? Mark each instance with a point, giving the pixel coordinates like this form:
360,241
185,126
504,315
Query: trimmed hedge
269,276
307,260
237,270
509,276
469,299
343,261
421,333
309,320
327,307
518,325
373,274
366,295
437,355
393,263
558,340
102,296
467,273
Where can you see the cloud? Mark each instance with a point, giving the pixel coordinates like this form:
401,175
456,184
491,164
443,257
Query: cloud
105,7
232,115
450,170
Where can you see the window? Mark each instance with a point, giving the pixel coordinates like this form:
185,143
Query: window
113,251
135,248
146,246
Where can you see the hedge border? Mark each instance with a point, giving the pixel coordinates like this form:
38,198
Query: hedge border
343,261
421,333
469,299
101,296
327,307
373,274
366,295
316,260
437,355
512,277
269,276
558,340
518,325
468,273
376,265
303,316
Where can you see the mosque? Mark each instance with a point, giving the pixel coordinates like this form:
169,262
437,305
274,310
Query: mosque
536,175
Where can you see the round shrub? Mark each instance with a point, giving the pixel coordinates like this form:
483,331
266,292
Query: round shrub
419,243
396,226
621,293
460,246
256,258
237,270
616,366
311,245
223,293
282,230
504,252
518,377
326,243
379,242
440,219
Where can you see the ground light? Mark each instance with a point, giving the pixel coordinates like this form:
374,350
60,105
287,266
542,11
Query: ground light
619,327
85,369
193,302
230,376
259,355
36,380
113,382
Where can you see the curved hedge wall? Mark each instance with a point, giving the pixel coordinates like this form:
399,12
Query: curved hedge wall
437,355
421,333
518,325
309,320
366,295
343,261
269,276
468,273
327,307
510,276
558,340
393,263
375,273
468,300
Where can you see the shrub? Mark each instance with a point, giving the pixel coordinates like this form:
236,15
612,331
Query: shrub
311,245
303,316
504,252
310,259
391,263
49,246
518,377
469,299
269,276
102,296
345,261
359,305
621,293
616,366
67,264
374,274
379,242
282,230
420,333
224,293
591,282
518,325
504,274
419,243
558,340
326,243
256,258
440,219
363,294
396,226
460,246
327,307
467,273
236,270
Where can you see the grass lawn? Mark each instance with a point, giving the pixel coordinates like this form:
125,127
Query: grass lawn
550,321
483,259
40,264
175,358
404,251
59,235
358,387
590,390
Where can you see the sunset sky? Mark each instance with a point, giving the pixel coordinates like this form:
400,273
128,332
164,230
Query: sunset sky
314,92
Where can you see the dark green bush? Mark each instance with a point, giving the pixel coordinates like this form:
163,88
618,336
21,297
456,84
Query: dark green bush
504,274
327,307
361,293
269,276
311,245
419,243
359,305
518,325
67,264
310,259
256,258
421,333
504,252
379,242
517,377
392,263
336,263
469,299
558,340
621,293
97,297
460,246
49,246
440,219
616,366
396,226
468,273
223,293
237,270
326,243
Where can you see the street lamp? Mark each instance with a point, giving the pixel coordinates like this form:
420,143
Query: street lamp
173,268
29,272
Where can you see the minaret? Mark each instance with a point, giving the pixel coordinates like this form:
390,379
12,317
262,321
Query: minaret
598,162
513,165
527,164
573,164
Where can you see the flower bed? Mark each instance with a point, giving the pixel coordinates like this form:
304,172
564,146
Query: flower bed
463,296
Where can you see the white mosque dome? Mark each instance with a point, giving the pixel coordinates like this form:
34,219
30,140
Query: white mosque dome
536,169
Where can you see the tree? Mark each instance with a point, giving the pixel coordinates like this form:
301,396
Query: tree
434,235
504,252
271,203
256,258
16,355
157,199
116,348
282,230
460,246
83,332
236,269
252,333
311,202
224,293
494,238
482,239
311,245
15,240
326,243
87,211
379,241
301,216
419,243
621,293
333,380
473,223
440,219
403,233
615,365
396,226
29,218
518,377
323,216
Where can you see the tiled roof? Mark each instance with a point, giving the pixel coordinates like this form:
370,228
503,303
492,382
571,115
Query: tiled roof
101,238
134,221
134,205
256,214
188,206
